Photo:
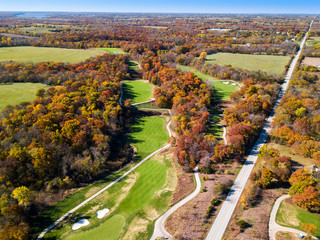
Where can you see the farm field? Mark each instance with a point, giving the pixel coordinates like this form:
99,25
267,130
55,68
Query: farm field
267,63
134,201
111,50
222,90
312,61
39,29
44,54
11,94
313,41
290,215
137,90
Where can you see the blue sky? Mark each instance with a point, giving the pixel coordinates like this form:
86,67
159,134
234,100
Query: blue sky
171,6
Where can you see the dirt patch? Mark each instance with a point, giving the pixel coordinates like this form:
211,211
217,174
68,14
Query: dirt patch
257,217
137,226
189,221
92,191
131,180
286,236
312,61
185,187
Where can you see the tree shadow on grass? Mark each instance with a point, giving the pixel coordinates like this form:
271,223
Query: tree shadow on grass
215,99
135,128
128,92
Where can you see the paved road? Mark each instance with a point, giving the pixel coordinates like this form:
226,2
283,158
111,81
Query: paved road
274,227
159,229
105,188
222,220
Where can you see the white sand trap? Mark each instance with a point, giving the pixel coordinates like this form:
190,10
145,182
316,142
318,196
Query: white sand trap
233,84
225,82
81,223
102,213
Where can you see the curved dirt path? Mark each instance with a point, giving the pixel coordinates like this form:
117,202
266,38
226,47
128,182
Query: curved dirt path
106,187
274,227
222,220
159,229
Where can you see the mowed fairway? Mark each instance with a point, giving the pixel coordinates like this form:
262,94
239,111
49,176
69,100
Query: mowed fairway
112,50
290,215
148,189
266,63
43,54
137,90
148,134
11,94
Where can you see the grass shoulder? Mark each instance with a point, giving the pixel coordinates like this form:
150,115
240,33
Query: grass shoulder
290,215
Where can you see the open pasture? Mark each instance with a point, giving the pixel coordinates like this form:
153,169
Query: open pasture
11,94
44,54
266,63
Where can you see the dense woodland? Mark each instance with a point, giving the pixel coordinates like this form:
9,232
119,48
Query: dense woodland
70,134
73,133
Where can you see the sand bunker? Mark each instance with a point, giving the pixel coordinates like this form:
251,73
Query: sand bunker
233,84
102,213
225,82
81,223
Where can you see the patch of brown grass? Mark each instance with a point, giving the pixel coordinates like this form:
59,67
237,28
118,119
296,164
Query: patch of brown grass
189,221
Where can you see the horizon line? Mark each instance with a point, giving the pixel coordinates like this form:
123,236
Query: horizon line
119,12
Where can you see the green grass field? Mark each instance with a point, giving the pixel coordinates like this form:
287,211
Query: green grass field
215,129
147,135
284,150
290,215
137,90
43,54
111,50
11,94
313,41
131,201
267,63
38,29
222,91
133,66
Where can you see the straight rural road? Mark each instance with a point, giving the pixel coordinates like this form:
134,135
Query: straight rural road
222,220
106,187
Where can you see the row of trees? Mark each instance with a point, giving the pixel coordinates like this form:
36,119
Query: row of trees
188,98
297,119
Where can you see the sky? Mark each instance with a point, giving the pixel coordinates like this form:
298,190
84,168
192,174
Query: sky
165,6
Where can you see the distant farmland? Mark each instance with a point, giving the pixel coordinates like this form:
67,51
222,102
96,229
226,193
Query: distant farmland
267,63
11,94
44,54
